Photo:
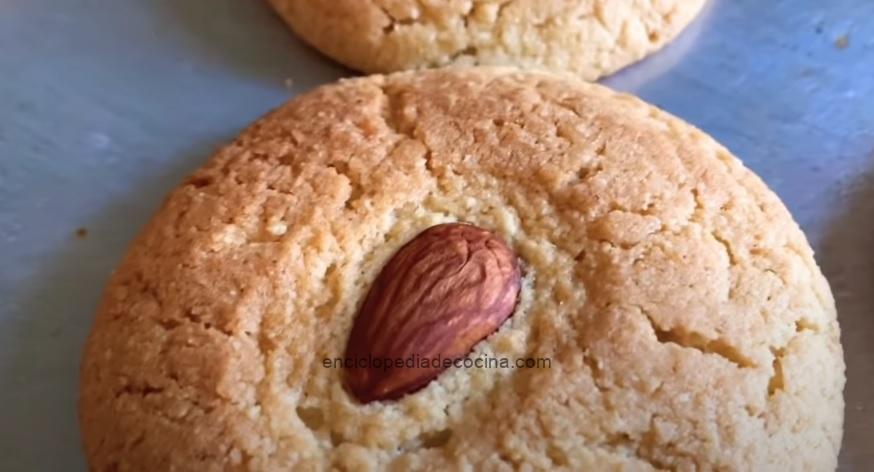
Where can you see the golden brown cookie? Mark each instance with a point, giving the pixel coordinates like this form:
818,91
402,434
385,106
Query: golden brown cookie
686,323
590,38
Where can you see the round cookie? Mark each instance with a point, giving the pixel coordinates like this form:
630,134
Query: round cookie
685,321
590,38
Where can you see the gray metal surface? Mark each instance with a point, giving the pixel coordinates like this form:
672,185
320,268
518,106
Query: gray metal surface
106,104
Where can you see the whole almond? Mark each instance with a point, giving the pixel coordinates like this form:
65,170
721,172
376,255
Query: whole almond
442,293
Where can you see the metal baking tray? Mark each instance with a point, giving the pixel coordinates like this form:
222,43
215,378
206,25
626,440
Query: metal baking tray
106,104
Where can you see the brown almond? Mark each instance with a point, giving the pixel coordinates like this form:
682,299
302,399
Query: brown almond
442,293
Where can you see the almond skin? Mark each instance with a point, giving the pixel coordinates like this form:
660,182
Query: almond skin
442,293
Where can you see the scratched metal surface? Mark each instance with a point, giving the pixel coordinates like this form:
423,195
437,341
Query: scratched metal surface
106,104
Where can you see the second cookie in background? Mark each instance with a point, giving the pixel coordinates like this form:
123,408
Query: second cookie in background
589,38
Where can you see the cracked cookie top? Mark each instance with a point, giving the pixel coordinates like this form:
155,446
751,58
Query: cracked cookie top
589,38
685,320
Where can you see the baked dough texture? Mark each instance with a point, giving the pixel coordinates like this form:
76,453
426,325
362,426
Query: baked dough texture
687,323
589,38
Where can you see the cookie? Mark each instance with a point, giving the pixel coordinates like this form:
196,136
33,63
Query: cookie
670,314
589,38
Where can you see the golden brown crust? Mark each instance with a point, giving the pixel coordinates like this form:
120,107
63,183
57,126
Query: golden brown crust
590,38
687,322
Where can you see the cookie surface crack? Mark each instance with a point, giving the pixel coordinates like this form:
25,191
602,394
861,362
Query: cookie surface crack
776,382
691,340
395,122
